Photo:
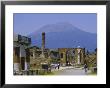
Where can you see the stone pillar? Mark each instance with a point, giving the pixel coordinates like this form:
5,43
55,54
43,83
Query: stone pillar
78,56
43,44
82,56
16,59
27,60
33,52
22,57
43,40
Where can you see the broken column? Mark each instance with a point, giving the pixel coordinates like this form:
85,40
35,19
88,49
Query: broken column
22,57
16,59
43,40
43,43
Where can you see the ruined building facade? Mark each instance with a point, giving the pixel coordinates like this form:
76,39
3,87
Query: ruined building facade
70,56
21,53
37,57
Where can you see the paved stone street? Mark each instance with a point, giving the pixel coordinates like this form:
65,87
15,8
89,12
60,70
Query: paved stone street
70,71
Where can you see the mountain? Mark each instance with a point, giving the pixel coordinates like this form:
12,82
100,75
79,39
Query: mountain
64,35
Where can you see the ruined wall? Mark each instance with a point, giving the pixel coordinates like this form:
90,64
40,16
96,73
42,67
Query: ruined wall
62,55
72,59
36,59
91,59
21,58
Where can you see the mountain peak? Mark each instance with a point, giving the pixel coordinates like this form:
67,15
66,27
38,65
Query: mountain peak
63,23
57,27
64,34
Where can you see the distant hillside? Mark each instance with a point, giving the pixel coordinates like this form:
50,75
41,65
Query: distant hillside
64,35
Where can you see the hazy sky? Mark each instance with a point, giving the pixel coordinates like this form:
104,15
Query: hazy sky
26,23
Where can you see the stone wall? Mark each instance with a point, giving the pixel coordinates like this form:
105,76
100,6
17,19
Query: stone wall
72,56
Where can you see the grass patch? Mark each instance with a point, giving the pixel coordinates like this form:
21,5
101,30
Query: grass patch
92,73
50,73
46,73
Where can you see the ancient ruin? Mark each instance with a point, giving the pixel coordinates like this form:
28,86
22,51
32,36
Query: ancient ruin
27,57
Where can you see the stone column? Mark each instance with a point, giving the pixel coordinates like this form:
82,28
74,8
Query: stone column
33,52
82,56
16,59
27,61
22,57
43,40
78,56
43,44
